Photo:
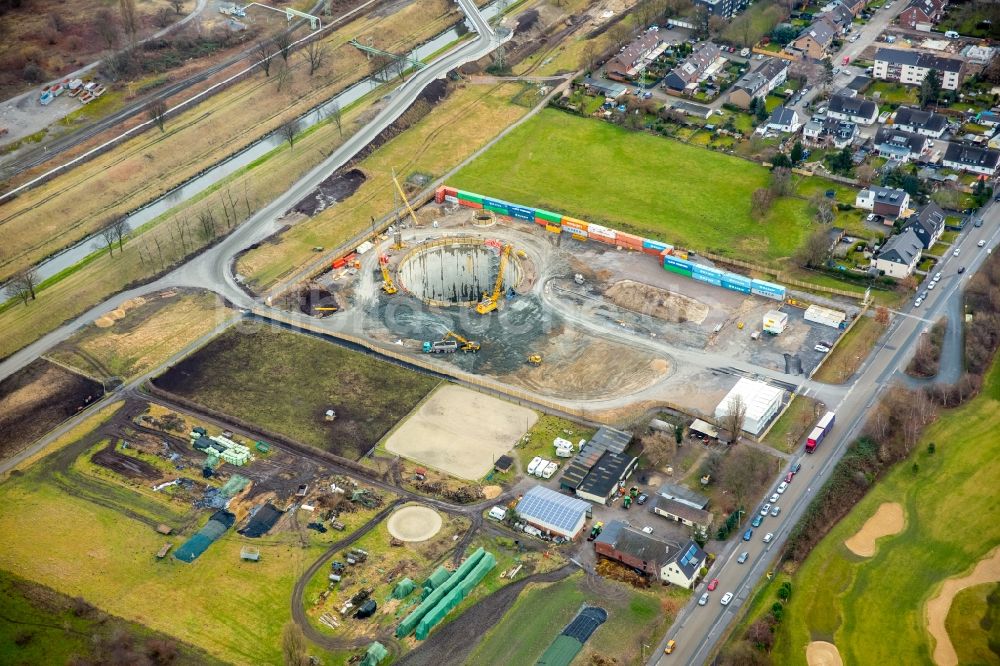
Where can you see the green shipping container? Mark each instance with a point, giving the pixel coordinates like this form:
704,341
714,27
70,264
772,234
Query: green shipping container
551,218
502,210
469,196
686,272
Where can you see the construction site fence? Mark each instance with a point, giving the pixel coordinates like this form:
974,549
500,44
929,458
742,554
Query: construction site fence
781,277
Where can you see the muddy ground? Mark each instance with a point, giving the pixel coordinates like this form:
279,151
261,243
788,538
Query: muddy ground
336,188
125,465
36,399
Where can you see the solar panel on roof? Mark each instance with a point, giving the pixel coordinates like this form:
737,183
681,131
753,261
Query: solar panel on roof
550,507
689,555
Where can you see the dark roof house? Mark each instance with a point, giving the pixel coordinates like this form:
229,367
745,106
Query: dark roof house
928,224
856,109
897,144
603,480
693,67
927,123
971,158
645,552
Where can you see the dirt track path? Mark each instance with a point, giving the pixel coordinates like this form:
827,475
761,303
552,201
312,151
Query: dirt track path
986,571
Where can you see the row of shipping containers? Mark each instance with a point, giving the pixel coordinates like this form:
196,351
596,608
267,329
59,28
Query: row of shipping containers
673,259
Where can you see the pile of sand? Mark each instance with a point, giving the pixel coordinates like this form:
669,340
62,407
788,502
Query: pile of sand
888,520
987,571
660,366
109,319
656,302
489,492
821,653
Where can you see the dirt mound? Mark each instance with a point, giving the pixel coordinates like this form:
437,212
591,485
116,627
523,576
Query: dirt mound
821,653
133,468
656,302
986,571
489,492
336,188
889,519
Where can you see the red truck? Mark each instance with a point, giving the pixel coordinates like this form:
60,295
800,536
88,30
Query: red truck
820,431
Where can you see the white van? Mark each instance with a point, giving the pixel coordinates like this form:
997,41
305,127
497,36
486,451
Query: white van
498,513
533,465
533,531
951,34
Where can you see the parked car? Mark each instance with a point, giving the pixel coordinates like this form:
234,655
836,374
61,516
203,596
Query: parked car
917,302
823,349
757,520
981,243
641,499
961,269
931,286
743,557
937,276
979,223
748,535
782,487
774,498
789,477
671,644
956,252
768,537
764,509
713,584
703,600
796,467
775,511
726,598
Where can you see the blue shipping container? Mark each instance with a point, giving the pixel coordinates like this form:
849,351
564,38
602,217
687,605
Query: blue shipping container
737,279
496,202
522,213
676,263
706,270
710,279
654,245
742,288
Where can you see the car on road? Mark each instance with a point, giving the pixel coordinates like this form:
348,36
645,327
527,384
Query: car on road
774,498
703,600
748,535
671,645
854,38
726,598
956,252
743,557
931,286
978,223
782,487
917,302
641,499
647,529
775,511
764,509
714,584
796,467
937,276
757,520
981,243
789,477
768,537
923,294
961,269
823,349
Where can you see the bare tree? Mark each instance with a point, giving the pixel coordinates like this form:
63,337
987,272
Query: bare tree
178,5
293,645
56,21
588,54
315,54
781,181
163,17
106,26
120,227
824,208
760,202
157,112
282,43
207,220
108,235
744,470
814,251
336,115
658,449
22,285
736,414
288,130
619,35
261,56
282,76
130,20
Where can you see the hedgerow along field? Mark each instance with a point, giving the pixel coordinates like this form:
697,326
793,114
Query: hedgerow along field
856,602
647,184
286,381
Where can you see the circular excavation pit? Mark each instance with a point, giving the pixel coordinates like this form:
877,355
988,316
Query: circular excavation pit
454,271
414,522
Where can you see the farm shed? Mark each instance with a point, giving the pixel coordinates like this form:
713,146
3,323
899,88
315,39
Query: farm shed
553,512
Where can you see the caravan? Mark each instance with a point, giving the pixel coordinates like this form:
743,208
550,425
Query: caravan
533,465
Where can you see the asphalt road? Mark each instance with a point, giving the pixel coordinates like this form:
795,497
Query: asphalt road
698,629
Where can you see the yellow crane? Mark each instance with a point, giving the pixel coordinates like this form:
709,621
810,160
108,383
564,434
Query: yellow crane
387,284
465,345
489,302
406,201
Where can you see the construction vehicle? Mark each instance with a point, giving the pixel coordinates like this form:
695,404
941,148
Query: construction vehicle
490,301
465,345
387,284
522,254
399,188
535,359
627,502
441,347
326,309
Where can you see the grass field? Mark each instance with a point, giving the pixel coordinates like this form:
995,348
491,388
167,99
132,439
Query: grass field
855,602
455,128
640,182
542,611
850,352
538,440
41,626
974,624
794,424
148,335
238,372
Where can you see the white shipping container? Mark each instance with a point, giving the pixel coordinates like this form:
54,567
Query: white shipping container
598,230
820,315
775,322
364,247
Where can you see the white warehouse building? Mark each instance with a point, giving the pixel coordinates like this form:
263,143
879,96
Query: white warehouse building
553,512
762,402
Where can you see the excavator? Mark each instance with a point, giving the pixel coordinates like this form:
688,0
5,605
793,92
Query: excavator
387,284
490,301
464,345
535,359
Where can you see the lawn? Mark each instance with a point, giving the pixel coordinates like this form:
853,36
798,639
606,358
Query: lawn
156,328
238,372
894,93
858,602
542,611
794,424
41,626
850,352
538,440
658,187
973,624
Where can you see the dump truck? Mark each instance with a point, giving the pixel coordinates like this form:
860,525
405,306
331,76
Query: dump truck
441,347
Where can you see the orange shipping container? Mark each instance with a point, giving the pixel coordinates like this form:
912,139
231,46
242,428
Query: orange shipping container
339,263
628,239
439,195
652,251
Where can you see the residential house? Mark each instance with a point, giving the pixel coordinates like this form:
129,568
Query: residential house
723,8
758,83
922,15
917,121
855,6
683,494
684,570
903,146
692,109
899,256
606,88
971,158
660,558
840,16
634,58
680,512
784,120
911,67
825,132
815,40
854,109
888,202
693,69
927,224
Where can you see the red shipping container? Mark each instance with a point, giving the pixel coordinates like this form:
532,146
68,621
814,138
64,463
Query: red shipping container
439,195
652,251
351,257
469,204
339,263
450,191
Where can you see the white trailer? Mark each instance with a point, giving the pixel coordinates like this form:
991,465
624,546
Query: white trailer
775,322
820,315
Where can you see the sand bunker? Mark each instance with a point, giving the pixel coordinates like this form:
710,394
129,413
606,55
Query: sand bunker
821,653
414,522
656,302
888,520
987,571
